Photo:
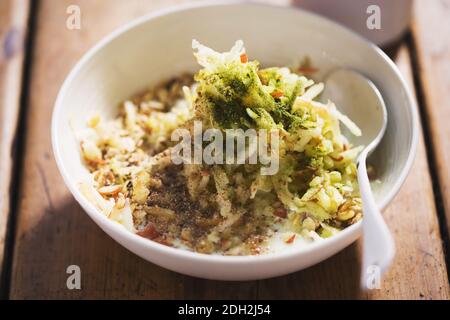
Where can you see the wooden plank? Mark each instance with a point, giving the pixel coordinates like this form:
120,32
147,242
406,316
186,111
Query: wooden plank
13,30
431,30
53,232
418,271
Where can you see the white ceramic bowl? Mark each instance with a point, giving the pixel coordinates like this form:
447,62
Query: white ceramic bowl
158,46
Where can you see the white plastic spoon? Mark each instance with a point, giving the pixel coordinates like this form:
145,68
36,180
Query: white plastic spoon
359,99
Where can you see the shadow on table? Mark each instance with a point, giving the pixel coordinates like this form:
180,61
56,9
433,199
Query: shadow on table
335,278
392,49
67,236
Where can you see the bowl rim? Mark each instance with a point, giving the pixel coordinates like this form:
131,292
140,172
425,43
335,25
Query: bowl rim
130,237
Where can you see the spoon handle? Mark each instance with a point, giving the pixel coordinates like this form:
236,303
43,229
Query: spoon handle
378,244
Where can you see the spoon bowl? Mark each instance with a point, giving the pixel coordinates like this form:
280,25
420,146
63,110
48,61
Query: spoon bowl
366,106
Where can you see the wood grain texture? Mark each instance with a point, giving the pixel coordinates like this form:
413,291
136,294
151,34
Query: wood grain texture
412,218
53,232
13,30
431,30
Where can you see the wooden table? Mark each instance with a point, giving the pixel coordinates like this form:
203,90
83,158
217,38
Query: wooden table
43,230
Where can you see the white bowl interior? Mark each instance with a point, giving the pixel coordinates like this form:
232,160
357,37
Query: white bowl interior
159,47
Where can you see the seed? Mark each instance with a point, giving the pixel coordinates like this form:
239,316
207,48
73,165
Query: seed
110,190
345,215
149,232
356,218
186,234
343,207
154,105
